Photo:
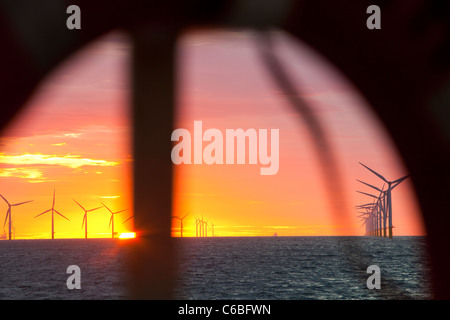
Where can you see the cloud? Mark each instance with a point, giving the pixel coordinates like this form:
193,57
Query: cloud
25,173
72,161
280,227
72,135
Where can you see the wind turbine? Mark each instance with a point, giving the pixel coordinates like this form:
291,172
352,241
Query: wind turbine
205,227
52,210
181,222
201,224
85,218
391,185
111,221
197,223
9,213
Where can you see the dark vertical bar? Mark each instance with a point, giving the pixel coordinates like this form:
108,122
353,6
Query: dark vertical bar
152,273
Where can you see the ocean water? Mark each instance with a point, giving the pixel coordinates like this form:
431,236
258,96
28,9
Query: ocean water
281,268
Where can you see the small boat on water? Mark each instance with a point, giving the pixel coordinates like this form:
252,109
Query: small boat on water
275,235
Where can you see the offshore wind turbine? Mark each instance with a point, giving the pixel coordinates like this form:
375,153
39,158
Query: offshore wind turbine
9,214
52,210
391,185
205,227
111,221
181,222
85,218
196,227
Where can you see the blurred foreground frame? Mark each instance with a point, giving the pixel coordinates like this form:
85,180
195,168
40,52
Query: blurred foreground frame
403,70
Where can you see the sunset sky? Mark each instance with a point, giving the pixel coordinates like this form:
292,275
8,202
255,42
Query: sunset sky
74,137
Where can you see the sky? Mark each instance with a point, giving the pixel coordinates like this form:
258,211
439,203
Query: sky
74,137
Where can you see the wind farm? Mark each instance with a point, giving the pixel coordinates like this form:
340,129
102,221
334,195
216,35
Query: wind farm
201,227
11,229
204,227
376,216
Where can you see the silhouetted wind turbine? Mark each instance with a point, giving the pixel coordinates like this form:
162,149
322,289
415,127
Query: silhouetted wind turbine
9,213
196,226
391,185
52,210
206,227
181,222
85,218
111,221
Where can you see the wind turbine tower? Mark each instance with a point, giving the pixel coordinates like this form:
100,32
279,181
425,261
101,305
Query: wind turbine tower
9,214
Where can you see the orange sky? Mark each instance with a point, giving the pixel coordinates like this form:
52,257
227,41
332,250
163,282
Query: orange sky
74,137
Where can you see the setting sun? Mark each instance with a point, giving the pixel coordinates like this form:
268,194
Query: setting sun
127,235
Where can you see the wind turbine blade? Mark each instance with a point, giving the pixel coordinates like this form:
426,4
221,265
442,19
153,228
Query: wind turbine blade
18,204
93,209
54,191
84,218
106,207
184,216
398,181
364,206
119,211
362,215
61,215
80,205
110,220
7,214
5,199
128,219
43,213
374,172
369,185
368,194
401,179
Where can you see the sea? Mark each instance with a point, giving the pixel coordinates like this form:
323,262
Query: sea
223,268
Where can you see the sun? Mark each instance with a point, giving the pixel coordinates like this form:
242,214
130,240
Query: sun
127,235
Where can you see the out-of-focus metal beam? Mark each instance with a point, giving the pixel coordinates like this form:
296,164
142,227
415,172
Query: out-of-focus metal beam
152,254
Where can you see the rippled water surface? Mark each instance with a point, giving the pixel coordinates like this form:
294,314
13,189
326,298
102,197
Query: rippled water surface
224,268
